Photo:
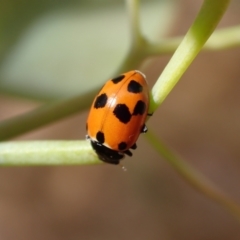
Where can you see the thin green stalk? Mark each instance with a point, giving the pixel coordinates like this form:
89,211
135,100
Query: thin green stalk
44,115
221,39
134,23
193,177
224,39
45,153
205,23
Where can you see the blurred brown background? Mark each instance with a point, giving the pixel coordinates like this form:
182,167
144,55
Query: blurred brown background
200,120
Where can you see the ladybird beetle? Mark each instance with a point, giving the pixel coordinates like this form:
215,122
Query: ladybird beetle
117,116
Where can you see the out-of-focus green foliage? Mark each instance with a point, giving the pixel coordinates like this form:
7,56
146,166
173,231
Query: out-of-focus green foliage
55,49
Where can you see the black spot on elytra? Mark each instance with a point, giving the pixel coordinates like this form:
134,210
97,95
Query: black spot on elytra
118,79
122,146
134,87
101,101
139,108
122,113
100,137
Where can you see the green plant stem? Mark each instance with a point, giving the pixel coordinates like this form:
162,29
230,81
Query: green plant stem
133,16
205,23
136,53
35,153
44,115
193,177
225,38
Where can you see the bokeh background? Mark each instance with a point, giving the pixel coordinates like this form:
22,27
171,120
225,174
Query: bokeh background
54,49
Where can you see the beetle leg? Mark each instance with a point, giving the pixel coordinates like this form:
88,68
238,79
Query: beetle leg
128,153
144,129
134,146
